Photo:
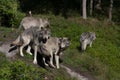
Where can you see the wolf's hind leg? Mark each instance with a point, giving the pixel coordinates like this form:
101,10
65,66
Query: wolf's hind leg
21,48
35,54
28,50
45,62
57,61
90,44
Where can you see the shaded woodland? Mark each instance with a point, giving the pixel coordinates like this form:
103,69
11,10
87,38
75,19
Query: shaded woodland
11,11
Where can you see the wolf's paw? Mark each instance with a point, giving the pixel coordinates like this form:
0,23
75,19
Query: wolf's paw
58,67
34,62
52,66
21,54
29,53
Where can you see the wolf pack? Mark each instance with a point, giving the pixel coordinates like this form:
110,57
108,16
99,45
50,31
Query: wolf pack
37,36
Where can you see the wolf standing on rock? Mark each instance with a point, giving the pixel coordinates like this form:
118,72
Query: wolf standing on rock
32,35
87,38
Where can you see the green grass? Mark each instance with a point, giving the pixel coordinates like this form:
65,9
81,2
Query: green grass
102,61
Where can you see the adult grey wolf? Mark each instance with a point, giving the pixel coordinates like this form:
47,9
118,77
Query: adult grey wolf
54,46
28,22
87,38
32,35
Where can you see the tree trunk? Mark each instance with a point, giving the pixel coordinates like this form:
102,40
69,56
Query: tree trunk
110,10
84,9
91,7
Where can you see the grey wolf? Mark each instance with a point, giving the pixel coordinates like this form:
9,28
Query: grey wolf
28,22
54,46
87,38
34,36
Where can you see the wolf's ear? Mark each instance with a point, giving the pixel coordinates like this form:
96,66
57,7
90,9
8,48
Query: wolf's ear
47,19
60,40
48,26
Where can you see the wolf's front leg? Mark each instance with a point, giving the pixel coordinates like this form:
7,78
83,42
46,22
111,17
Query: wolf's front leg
45,62
90,44
83,45
51,61
35,55
21,51
57,61
28,50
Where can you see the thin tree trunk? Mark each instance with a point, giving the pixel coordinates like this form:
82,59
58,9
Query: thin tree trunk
84,9
91,7
110,10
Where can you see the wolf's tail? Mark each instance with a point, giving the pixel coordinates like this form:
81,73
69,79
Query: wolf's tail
17,42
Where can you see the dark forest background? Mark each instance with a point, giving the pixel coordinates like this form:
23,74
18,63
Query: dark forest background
11,11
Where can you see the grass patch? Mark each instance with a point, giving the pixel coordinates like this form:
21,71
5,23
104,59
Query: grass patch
102,60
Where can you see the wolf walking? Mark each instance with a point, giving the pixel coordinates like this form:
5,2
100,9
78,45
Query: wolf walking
30,21
87,38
